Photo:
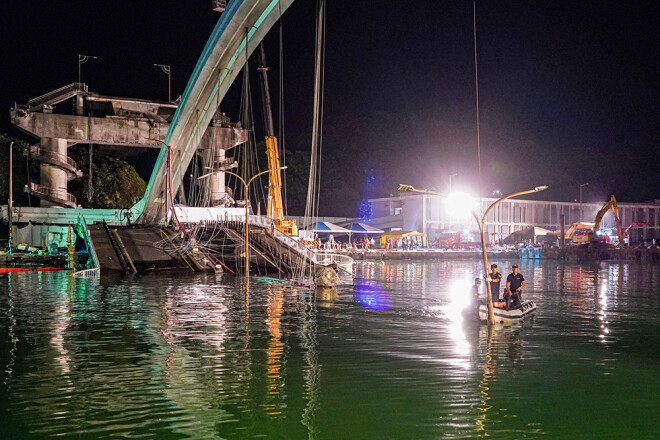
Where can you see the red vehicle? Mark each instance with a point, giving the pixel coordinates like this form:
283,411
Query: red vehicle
452,240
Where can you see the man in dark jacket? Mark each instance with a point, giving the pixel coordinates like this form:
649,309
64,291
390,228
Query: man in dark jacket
494,278
514,284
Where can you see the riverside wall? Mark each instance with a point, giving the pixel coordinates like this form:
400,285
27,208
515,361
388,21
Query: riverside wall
575,254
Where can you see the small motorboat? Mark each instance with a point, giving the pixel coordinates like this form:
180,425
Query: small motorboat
502,314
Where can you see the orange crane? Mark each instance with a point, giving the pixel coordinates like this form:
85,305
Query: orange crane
275,208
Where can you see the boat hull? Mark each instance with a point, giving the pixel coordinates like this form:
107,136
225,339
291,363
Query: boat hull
501,315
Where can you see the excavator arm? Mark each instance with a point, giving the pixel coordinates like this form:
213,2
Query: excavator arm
611,204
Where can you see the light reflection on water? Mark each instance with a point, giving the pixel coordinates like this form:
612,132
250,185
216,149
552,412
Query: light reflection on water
385,355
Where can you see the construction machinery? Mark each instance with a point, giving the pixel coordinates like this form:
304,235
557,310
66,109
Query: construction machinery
584,232
579,232
611,204
625,232
275,207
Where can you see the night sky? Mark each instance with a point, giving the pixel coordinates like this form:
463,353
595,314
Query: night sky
568,90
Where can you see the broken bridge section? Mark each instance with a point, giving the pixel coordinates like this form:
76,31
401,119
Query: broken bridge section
109,121
243,24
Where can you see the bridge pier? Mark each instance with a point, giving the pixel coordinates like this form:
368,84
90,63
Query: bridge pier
55,171
218,189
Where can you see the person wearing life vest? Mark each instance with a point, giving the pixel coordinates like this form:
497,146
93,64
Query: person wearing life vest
494,278
474,295
514,285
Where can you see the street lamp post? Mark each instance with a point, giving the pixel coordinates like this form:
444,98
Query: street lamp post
10,204
581,213
480,222
168,71
82,59
450,185
246,185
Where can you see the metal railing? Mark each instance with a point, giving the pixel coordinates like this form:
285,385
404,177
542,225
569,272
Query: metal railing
57,95
87,273
56,159
91,250
317,258
343,261
54,195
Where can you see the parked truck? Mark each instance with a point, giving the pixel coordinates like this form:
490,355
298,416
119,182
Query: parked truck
453,240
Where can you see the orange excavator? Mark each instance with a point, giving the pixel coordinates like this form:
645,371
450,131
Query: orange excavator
625,232
275,207
579,232
611,204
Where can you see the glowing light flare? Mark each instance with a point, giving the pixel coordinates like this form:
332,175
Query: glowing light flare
459,299
372,295
460,204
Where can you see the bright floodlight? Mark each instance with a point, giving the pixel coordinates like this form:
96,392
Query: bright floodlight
460,204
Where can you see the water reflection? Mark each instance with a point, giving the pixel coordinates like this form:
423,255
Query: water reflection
312,370
326,296
275,350
372,295
11,326
62,321
204,357
487,374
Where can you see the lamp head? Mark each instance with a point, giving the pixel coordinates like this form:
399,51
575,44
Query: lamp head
460,204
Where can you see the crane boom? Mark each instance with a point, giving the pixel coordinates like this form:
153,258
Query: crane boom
275,208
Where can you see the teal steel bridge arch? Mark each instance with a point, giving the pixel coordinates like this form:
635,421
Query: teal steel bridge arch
220,63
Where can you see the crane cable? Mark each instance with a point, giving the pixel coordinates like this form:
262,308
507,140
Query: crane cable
476,86
280,133
313,184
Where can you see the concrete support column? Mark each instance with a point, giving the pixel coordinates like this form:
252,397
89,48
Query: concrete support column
217,184
53,178
79,105
425,201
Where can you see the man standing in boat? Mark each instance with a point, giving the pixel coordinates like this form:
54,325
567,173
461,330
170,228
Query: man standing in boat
514,284
494,279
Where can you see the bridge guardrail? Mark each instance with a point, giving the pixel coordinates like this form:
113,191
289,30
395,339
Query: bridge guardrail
317,258
87,273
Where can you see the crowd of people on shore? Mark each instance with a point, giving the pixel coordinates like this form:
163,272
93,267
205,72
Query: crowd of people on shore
366,243
355,245
404,243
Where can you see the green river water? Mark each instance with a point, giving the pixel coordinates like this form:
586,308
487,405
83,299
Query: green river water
386,356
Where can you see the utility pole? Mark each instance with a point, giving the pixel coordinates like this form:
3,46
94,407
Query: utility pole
10,205
450,185
168,71
82,59
90,189
581,213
